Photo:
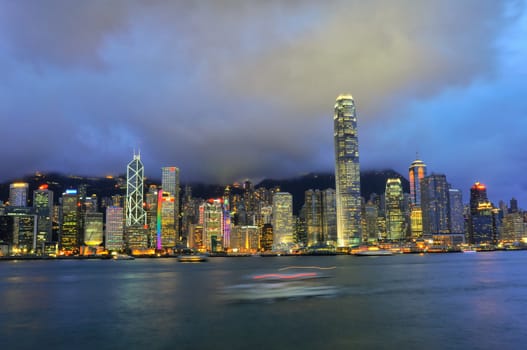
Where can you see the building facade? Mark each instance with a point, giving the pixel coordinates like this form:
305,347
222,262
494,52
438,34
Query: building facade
394,211
282,221
416,173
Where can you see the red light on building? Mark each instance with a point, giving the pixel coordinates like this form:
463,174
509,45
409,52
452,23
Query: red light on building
43,187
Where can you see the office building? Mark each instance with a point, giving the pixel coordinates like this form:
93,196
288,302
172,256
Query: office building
282,221
136,229
395,218
170,188
416,173
457,219
114,234
435,203
43,205
70,222
18,194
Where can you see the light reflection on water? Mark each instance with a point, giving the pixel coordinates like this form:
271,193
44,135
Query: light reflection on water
411,301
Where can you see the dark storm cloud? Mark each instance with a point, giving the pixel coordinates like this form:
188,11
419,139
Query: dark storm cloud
232,89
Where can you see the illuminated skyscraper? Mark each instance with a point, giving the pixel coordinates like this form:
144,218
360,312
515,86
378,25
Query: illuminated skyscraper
166,205
395,220
135,214
69,235
170,206
417,172
457,220
347,172
435,205
114,228
93,228
282,220
212,218
320,217
18,194
313,213
136,235
43,204
482,222
329,216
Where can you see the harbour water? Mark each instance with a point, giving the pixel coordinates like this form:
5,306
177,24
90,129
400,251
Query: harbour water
434,301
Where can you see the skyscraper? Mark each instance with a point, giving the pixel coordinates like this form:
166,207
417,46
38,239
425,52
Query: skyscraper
416,172
213,224
43,204
313,212
114,228
395,219
93,228
329,216
457,221
282,220
482,223
170,207
136,235
135,214
347,172
18,194
435,204
69,235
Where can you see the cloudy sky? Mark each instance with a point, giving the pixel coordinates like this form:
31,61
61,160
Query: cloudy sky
228,90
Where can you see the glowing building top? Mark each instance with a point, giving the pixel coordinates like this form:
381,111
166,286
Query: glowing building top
417,171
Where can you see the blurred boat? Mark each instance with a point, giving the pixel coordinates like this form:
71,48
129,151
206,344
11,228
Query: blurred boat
192,258
372,251
280,286
122,257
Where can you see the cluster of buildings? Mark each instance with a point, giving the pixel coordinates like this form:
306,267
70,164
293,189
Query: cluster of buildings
245,219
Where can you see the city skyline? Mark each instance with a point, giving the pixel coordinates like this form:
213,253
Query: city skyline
157,78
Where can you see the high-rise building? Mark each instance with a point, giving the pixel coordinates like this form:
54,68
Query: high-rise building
166,204
135,214
213,224
93,228
371,213
329,216
416,173
313,216
43,204
136,234
347,172
170,187
114,228
478,195
282,221
266,238
457,219
435,203
18,193
395,218
69,235
482,221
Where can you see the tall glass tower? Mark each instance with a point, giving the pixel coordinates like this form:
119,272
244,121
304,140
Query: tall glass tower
347,172
135,214
395,220
282,220
416,173
136,233
170,206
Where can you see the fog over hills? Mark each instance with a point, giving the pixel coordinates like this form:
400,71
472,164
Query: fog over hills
372,181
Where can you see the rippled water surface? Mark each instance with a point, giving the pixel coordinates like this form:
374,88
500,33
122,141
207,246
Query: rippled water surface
441,301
